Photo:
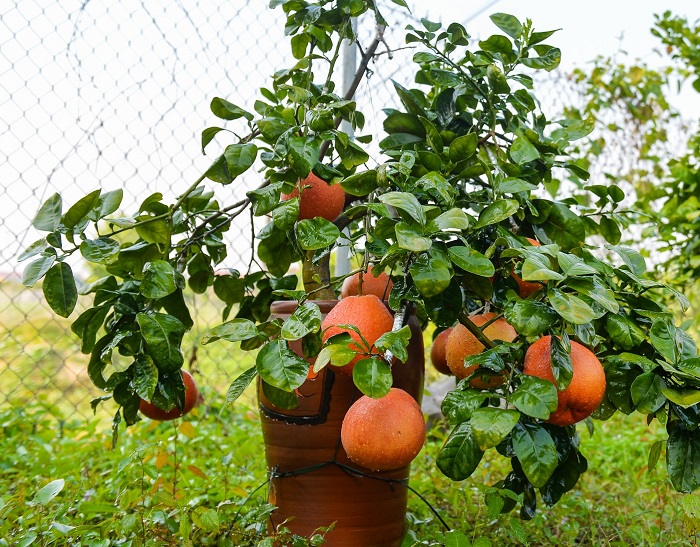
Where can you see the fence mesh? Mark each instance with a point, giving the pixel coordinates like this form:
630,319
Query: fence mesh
115,95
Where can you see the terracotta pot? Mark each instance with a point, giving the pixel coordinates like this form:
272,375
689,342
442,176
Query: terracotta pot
313,484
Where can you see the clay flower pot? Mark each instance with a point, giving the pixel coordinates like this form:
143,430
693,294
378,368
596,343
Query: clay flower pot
313,482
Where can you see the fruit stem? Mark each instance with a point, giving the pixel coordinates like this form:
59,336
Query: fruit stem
476,331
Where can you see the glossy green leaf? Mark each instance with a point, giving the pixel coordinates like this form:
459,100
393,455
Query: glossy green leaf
492,425
508,24
549,61
372,377
452,219
60,290
634,261
408,238
36,269
571,307
407,203
106,204
87,325
624,332
48,492
163,335
471,261
647,392
360,184
79,211
663,335
281,398
145,377
513,186
153,231
458,406
683,459
531,318
431,273
221,108
562,365
239,385
497,211
561,225
685,398
208,135
497,80
239,158
160,279
280,367
438,187
535,397
597,291
102,250
305,320
235,330
316,233
463,147
460,455
539,267
395,341
536,452
48,217
522,151
401,122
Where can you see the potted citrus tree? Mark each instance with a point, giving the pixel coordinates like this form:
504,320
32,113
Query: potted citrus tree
546,332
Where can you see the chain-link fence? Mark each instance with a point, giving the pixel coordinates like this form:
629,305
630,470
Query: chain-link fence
115,95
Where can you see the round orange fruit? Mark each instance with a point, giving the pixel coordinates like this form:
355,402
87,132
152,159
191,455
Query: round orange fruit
586,390
191,399
461,343
438,355
368,314
318,198
385,433
379,286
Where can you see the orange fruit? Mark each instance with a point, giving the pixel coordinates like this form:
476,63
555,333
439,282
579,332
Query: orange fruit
461,343
368,314
438,354
379,286
191,399
527,287
587,388
385,433
318,198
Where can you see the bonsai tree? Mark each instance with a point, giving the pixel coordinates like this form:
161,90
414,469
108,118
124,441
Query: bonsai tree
455,212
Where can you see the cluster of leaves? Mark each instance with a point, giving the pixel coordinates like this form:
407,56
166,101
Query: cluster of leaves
469,156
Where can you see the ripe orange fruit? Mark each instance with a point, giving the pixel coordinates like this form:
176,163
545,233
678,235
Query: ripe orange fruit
385,433
587,388
367,313
461,343
191,398
438,354
318,199
379,286
527,287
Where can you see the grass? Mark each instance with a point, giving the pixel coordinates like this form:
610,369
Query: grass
193,482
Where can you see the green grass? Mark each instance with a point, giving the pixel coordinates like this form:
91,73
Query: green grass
194,483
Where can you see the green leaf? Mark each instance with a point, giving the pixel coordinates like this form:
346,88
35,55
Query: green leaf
574,266
508,24
280,367
635,261
351,155
38,247
87,325
647,392
48,492
405,202
239,385
463,147
48,218
623,331
437,186
102,250
497,44
596,290
571,307
60,290
80,210
411,240
549,61
610,230
431,273
360,184
305,320
396,342
562,366
160,279
538,267
286,214
497,211
458,406
535,397
461,455
497,80
561,225
106,204
683,459
452,219
316,233
522,151
163,335
208,135
400,122
513,186
531,318
663,336
225,110
491,425
372,377
279,397
235,330
303,154
536,452
153,231
471,261
682,397
408,100
218,171
145,377
36,269
239,158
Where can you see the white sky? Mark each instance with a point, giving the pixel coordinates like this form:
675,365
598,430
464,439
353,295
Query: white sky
125,103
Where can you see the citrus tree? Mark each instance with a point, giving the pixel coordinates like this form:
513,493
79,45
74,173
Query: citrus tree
454,211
